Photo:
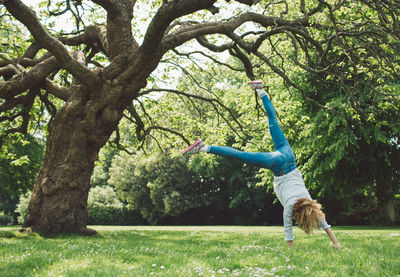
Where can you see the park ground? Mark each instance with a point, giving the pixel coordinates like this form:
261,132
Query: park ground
200,251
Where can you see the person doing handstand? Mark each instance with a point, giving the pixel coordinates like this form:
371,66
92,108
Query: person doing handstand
288,182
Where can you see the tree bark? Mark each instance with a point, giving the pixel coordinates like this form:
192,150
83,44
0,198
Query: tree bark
79,130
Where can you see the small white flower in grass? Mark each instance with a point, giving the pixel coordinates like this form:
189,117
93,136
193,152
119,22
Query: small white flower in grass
162,267
153,265
217,258
132,267
288,260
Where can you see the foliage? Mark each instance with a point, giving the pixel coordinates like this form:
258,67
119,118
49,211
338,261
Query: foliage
22,207
5,219
177,190
105,208
20,159
336,149
206,251
348,146
103,197
8,204
156,186
101,173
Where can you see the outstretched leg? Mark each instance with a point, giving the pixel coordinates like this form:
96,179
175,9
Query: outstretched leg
280,162
277,135
260,159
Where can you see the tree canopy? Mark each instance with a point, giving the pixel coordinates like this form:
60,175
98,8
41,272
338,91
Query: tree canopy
334,63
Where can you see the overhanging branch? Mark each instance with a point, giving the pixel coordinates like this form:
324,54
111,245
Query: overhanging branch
212,101
27,17
25,80
151,50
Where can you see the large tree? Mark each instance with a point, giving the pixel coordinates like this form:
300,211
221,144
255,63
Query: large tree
103,68
95,100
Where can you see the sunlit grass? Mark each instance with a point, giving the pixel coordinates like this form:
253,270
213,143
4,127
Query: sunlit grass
200,251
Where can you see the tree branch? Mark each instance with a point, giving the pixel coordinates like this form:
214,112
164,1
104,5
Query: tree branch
236,52
212,102
32,50
228,27
15,101
148,130
27,103
8,71
56,90
25,80
208,57
247,2
94,36
290,82
109,5
27,17
151,46
215,48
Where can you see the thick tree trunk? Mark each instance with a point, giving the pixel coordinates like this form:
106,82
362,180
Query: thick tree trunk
79,130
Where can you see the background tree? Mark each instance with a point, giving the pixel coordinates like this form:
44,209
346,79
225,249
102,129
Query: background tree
20,158
168,189
178,190
341,118
99,71
351,144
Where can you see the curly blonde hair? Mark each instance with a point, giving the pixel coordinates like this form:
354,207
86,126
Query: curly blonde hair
307,214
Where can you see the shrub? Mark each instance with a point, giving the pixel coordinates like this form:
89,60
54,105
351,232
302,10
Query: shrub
105,208
22,207
6,219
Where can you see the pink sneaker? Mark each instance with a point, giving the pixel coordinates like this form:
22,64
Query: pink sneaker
194,148
256,84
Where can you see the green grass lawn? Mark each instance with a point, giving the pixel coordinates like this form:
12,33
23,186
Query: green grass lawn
201,251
